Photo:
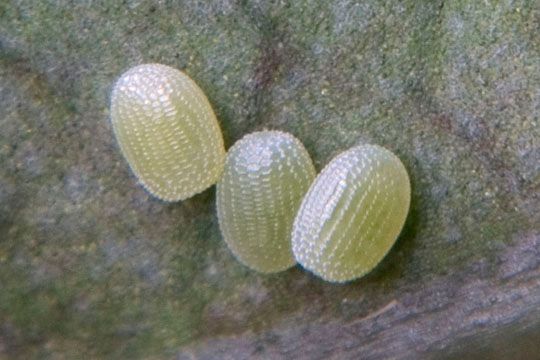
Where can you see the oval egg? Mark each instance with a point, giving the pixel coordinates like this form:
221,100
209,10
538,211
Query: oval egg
352,214
265,178
167,131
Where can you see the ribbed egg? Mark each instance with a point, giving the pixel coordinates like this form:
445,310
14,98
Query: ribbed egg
167,131
352,214
265,178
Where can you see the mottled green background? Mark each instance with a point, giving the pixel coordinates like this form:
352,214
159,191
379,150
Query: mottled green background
91,265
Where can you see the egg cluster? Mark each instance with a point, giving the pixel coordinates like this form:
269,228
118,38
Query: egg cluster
273,211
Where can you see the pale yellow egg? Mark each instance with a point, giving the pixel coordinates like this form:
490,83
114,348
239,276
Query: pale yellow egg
167,131
266,176
352,214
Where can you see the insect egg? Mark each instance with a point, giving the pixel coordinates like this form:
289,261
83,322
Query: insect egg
265,177
167,131
352,214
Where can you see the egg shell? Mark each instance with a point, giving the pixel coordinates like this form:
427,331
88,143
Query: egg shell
266,176
352,214
167,131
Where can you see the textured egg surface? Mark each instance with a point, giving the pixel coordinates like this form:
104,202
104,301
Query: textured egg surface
265,178
167,131
352,214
